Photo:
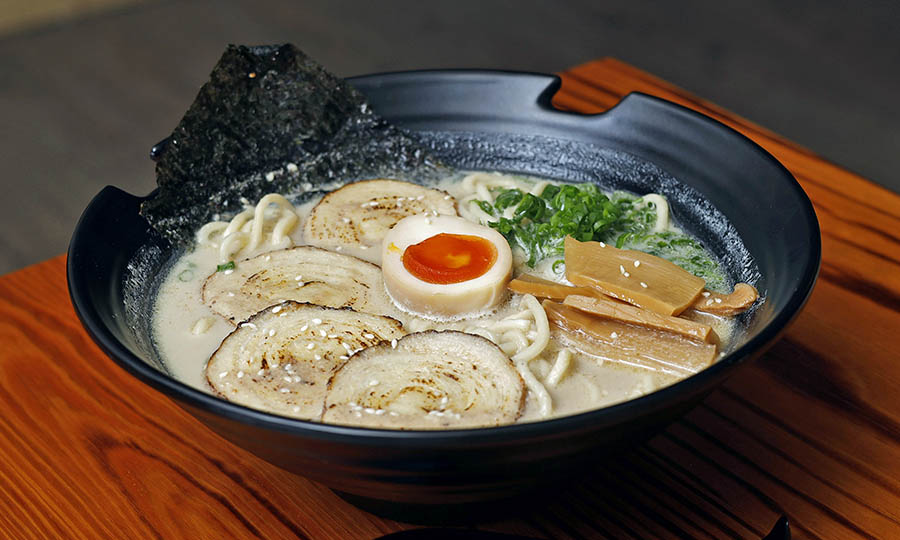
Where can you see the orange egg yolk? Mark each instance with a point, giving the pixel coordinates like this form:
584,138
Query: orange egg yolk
450,258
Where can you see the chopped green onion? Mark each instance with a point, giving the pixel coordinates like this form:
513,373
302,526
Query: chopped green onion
227,266
540,224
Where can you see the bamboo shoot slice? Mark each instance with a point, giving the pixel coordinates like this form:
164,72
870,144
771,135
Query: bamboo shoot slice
355,218
632,276
544,288
303,274
727,305
628,314
427,380
280,359
630,345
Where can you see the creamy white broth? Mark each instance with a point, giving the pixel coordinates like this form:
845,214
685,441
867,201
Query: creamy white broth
187,332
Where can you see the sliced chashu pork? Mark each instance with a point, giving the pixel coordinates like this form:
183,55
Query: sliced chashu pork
355,218
427,380
280,359
303,274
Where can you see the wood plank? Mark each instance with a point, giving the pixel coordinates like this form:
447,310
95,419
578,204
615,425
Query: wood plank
812,429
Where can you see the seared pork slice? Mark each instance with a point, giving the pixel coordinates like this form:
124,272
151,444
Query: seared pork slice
280,359
427,380
355,218
303,274
727,305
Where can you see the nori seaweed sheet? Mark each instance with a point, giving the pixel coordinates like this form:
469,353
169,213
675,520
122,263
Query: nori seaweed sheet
262,109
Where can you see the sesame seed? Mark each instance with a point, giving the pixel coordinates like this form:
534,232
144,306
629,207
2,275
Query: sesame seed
392,413
297,379
446,197
323,333
284,390
287,379
240,374
270,176
363,246
626,274
230,295
338,248
317,321
427,221
276,309
622,269
420,197
288,367
223,374
261,372
345,220
292,167
343,357
369,336
271,332
379,412
268,258
304,327
332,336
228,272
296,409
393,343
718,300
644,285
298,277
373,382
310,346
369,410
602,245
709,302
248,325
614,335
317,356
705,294
637,264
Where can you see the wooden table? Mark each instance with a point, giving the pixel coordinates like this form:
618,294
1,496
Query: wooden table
811,430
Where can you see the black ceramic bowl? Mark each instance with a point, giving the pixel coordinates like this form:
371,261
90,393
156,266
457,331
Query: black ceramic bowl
504,121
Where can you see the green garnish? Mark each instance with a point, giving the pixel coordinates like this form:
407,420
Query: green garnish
227,266
186,275
540,223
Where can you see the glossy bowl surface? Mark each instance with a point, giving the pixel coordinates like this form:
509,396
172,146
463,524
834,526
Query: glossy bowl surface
504,121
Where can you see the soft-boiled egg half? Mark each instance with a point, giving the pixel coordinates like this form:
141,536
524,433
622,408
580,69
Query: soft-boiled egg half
445,266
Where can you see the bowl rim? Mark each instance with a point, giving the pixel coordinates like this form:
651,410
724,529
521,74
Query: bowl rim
584,421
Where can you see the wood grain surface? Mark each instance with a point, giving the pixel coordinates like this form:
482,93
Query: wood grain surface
811,430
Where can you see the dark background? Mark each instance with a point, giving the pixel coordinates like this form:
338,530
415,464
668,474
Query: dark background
82,99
